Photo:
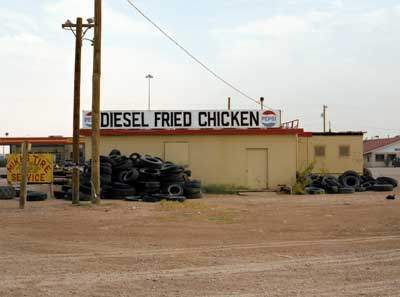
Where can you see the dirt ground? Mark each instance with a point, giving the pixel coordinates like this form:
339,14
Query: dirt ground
263,244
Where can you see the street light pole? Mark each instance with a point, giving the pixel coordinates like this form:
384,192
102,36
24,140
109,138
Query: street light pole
149,77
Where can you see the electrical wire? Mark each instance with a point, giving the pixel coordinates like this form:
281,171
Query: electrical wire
187,52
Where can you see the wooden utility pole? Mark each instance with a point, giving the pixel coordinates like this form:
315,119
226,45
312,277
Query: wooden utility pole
96,102
229,103
77,29
24,175
77,108
325,107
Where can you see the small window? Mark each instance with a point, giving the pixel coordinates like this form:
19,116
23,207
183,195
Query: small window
319,151
379,158
344,151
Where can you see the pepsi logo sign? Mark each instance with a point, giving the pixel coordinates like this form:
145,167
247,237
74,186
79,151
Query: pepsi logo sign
269,118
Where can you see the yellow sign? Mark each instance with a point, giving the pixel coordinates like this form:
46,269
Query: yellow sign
40,168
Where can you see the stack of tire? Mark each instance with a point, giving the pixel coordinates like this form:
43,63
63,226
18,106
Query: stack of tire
8,192
140,178
349,183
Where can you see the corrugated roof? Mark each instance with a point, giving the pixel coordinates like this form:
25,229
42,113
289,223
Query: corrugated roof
373,144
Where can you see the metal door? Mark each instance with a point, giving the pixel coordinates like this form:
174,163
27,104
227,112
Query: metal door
257,169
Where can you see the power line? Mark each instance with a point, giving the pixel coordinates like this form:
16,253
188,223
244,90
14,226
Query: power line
191,55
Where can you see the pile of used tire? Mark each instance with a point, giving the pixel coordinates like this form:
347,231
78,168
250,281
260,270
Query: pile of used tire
8,192
138,178
348,183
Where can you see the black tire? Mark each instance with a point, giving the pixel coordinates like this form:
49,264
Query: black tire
115,152
131,176
133,198
382,188
60,194
66,188
121,186
195,196
332,189
36,196
105,169
105,180
85,189
123,166
360,189
148,174
171,169
121,176
105,160
330,181
150,162
135,156
176,198
119,193
369,184
82,197
7,193
149,184
387,181
148,187
350,172
150,199
350,181
175,190
193,184
314,191
191,191
171,178
347,190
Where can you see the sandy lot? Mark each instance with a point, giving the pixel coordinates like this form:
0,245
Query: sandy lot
257,245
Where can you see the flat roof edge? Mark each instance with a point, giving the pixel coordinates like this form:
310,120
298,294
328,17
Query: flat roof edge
142,132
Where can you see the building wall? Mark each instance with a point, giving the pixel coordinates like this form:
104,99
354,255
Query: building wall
332,162
389,152
221,159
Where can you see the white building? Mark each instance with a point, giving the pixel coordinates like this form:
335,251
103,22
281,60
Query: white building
381,152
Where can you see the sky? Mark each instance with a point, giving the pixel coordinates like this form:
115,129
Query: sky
299,55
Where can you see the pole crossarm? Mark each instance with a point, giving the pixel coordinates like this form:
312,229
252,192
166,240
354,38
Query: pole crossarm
70,26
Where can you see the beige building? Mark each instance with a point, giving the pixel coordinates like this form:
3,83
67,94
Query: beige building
331,153
248,158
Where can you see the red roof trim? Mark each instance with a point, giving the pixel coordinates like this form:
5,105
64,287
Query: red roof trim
306,134
256,131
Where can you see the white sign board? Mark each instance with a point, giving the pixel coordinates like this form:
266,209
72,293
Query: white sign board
198,119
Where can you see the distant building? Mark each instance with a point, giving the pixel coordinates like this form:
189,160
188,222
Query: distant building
60,147
381,152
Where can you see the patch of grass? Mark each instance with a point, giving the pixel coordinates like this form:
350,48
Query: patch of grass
222,189
302,180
